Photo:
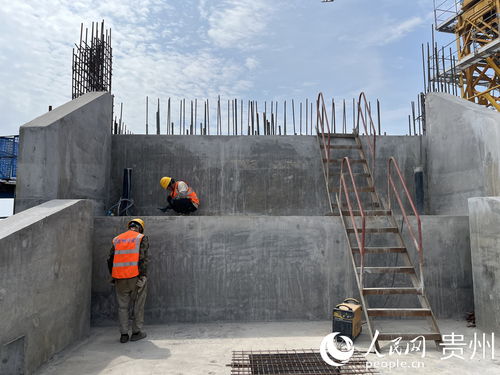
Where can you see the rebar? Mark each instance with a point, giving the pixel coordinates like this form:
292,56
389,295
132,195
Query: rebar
259,122
289,362
92,61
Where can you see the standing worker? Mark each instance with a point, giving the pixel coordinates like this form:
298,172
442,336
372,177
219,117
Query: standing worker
182,198
127,263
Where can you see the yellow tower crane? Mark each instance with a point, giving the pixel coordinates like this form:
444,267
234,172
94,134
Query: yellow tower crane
474,63
475,24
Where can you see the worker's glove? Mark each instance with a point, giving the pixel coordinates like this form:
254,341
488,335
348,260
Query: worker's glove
112,281
164,209
141,281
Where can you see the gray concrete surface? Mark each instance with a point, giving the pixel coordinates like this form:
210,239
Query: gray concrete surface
409,154
243,175
232,268
485,252
196,349
45,282
463,158
65,154
242,268
232,175
447,264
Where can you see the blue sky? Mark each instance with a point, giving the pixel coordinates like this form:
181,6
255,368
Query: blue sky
245,49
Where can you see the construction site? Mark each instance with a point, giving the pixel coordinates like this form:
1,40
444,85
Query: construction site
321,245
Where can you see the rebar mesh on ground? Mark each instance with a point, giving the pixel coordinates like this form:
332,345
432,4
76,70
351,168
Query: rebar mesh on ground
293,362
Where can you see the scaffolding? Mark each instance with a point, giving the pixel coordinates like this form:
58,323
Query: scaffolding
445,15
469,66
9,146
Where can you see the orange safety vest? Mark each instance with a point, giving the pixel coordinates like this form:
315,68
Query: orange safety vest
190,194
126,258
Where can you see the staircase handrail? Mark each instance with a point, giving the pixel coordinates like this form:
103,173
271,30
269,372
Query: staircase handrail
370,131
360,237
416,239
321,119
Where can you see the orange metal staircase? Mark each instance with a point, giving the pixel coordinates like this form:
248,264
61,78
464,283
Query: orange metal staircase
377,246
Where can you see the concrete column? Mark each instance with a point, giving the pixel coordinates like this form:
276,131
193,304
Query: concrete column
484,222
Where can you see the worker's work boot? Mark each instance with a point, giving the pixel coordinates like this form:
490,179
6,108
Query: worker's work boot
124,338
138,336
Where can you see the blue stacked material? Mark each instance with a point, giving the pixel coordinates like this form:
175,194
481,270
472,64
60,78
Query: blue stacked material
8,157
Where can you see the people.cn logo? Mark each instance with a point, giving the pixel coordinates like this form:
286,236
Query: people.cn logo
334,351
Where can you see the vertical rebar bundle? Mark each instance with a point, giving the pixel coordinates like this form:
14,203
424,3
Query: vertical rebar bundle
92,61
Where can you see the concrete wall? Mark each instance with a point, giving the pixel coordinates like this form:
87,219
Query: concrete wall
65,153
409,154
45,281
485,249
447,268
267,268
462,153
244,175
232,175
233,268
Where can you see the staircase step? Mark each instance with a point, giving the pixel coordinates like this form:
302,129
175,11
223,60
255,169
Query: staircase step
355,174
371,204
409,336
399,312
386,291
351,161
397,269
364,189
342,147
339,135
381,250
375,230
368,212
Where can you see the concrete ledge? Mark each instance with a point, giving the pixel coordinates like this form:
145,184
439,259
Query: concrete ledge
45,278
64,110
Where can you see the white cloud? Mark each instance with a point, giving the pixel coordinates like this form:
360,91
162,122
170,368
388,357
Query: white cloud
393,32
36,43
237,23
203,48
251,63
383,32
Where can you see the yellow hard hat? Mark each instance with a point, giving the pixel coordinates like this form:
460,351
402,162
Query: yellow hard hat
165,181
138,221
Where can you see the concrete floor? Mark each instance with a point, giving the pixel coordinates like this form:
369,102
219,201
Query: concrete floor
206,349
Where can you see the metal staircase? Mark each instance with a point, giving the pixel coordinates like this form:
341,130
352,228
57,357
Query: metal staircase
384,268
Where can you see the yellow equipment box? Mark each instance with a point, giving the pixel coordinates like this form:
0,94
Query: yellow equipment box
347,318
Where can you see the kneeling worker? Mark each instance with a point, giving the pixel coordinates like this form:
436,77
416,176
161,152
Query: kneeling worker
182,198
127,263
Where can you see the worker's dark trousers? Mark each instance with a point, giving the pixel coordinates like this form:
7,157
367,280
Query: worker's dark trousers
182,205
126,293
